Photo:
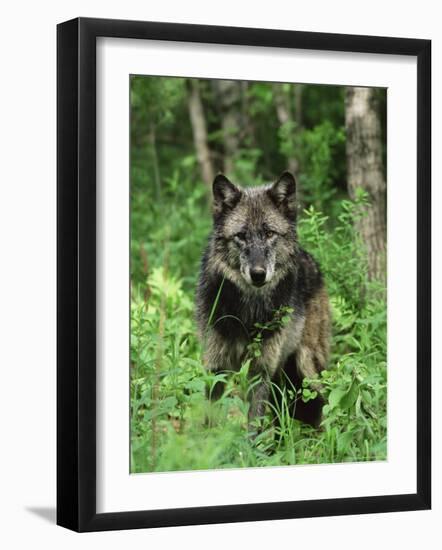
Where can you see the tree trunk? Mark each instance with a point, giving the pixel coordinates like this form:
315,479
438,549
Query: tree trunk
365,169
199,129
229,97
248,134
286,121
152,139
298,105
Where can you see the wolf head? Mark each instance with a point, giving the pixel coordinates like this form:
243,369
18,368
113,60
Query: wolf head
254,230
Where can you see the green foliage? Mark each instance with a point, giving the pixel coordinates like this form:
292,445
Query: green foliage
316,149
154,100
338,248
173,425
181,216
192,433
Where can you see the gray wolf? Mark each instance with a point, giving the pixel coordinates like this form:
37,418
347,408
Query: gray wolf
252,267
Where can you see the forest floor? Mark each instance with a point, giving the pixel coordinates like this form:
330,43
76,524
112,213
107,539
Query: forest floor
173,425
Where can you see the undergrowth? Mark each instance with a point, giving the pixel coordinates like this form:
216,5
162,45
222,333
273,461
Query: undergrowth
173,425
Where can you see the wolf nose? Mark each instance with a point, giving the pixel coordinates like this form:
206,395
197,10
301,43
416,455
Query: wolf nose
258,276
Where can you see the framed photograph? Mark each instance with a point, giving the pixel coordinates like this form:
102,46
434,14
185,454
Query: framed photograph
243,274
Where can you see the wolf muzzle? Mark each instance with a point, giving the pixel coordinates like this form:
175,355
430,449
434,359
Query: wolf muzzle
258,276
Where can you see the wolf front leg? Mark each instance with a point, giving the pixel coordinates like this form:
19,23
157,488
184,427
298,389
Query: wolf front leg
220,356
258,398
265,366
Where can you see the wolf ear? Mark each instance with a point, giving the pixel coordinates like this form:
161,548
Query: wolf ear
225,194
283,194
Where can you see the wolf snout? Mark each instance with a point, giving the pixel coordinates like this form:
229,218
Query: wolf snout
258,276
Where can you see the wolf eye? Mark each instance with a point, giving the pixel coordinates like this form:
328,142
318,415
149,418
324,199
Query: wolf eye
269,233
241,236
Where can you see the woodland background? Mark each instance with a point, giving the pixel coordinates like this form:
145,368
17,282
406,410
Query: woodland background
30,505
332,138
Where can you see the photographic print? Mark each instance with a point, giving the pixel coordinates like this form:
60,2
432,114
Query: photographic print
222,274
258,274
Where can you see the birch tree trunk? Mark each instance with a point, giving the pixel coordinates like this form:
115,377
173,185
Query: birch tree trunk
365,169
285,119
152,139
298,104
229,97
199,129
248,136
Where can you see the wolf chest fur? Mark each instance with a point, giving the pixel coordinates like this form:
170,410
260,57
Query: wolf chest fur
253,268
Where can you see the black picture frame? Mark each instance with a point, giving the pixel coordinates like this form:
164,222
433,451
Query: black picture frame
76,273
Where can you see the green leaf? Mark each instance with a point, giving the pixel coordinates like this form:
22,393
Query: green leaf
308,395
335,397
164,407
343,441
349,399
366,395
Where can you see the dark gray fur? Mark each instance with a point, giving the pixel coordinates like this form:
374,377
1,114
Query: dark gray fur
254,248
